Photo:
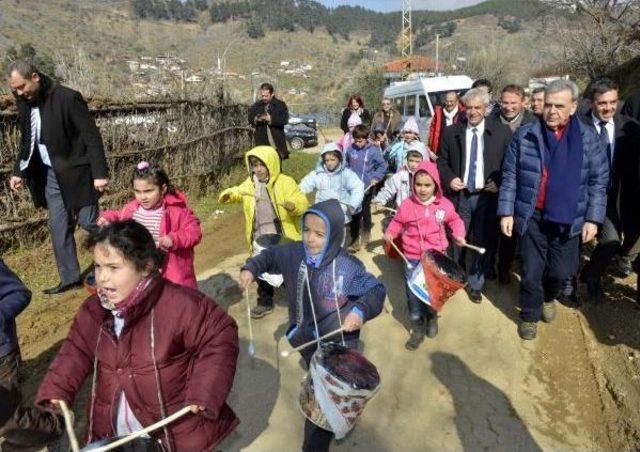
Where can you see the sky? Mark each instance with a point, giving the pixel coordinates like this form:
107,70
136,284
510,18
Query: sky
396,5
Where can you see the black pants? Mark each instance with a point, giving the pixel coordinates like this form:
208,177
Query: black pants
362,218
265,293
609,245
549,256
22,427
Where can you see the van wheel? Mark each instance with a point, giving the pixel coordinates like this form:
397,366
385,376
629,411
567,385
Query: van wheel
296,143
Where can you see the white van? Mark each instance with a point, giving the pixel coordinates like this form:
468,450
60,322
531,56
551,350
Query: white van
419,97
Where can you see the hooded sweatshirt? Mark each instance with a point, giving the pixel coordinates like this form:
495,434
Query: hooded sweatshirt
341,184
368,163
334,277
422,224
280,188
14,298
181,225
398,185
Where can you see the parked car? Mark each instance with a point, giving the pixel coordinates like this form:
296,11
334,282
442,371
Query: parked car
301,133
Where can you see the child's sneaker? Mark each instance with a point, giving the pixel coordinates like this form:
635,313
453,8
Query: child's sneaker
432,326
260,311
416,335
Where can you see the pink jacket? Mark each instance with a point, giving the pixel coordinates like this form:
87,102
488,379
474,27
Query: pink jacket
181,225
423,227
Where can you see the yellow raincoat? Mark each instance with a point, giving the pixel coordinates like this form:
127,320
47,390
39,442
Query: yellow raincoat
281,188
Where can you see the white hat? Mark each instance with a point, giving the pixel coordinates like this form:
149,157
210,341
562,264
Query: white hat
411,126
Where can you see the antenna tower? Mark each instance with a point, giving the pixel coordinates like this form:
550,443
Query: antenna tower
406,41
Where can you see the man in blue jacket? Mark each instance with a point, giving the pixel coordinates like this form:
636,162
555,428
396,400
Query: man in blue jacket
554,194
21,427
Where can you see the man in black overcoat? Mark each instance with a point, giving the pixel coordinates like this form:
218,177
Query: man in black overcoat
269,116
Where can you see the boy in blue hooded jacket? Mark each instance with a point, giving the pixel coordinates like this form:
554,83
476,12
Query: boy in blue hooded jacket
21,427
336,280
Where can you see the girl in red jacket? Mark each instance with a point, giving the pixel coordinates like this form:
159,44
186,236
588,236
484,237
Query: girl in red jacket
152,346
164,211
421,222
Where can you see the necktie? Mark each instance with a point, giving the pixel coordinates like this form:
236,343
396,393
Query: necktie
34,128
604,137
473,157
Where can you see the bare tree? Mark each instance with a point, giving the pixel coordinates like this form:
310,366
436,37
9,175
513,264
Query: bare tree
608,34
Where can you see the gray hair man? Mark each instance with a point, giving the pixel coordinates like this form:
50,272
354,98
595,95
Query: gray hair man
470,167
553,194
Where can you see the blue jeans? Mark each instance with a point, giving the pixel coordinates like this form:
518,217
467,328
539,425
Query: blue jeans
417,309
548,257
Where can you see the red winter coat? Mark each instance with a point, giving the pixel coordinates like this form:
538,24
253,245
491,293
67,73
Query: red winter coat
181,225
196,349
438,124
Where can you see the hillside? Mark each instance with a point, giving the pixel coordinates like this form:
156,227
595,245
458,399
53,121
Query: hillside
94,41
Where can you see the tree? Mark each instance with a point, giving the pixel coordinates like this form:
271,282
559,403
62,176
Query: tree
608,34
44,63
368,81
255,30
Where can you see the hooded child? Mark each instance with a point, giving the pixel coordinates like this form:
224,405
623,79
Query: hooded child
345,142
422,222
333,180
398,186
410,133
325,288
273,205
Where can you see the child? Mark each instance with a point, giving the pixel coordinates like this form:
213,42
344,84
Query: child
366,160
420,222
398,186
345,142
379,137
320,268
273,204
332,180
410,134
164,211
153,347
21,427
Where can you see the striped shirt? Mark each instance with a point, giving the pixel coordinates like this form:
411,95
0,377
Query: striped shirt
150,219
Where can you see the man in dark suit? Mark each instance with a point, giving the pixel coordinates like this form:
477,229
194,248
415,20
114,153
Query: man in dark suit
269,116
620,136
62,160
513,114
470,167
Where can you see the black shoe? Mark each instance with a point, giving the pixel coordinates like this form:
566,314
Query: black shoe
475,296
60,288
594,290
416,335
260,311
527,330
548,311
432,326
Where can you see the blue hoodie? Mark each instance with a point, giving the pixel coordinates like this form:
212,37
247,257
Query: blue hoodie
14,298
341,184
368,163
334,277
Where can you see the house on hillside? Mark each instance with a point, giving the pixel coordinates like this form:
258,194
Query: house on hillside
418,65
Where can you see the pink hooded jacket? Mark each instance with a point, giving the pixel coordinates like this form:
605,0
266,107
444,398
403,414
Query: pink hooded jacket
181,225
423,226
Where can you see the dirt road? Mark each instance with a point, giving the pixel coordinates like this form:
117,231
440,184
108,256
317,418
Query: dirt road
475,386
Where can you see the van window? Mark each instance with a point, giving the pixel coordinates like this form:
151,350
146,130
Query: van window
423,107
411,105
399,103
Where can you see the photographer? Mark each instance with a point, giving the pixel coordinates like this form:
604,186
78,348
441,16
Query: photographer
269,116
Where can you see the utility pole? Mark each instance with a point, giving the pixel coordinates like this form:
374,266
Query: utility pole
437,52
406,40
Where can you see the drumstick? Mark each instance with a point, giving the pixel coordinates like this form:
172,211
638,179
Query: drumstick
286,353
68,424
406,261
251,349
388,209
475,248
146,430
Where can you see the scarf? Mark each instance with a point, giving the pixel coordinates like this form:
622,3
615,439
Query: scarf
563,162
450,116
124,307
